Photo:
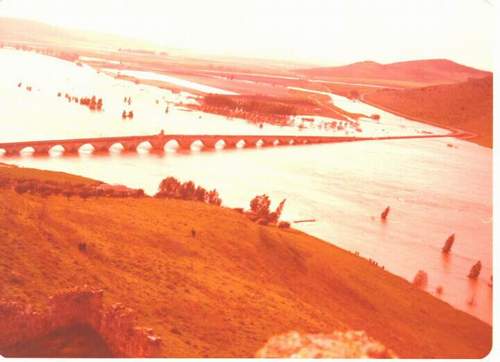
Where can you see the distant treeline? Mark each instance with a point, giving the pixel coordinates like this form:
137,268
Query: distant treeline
256,104
172,188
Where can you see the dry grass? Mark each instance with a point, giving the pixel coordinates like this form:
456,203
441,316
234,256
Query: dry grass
467,105
223,292
414,73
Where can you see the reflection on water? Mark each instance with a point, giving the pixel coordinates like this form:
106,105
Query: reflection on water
433,190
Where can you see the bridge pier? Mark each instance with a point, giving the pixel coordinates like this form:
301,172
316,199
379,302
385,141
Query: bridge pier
186,144
104,147
12,151
71,148
157,145
130,146
40,150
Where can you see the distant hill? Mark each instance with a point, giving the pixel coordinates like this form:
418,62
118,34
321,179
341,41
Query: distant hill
29,31
467,105
409,73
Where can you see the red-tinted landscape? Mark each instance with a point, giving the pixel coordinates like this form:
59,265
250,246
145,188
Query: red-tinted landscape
117,253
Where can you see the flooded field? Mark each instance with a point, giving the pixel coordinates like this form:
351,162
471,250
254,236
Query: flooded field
435,187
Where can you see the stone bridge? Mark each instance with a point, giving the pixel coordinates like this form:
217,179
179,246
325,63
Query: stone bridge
159,142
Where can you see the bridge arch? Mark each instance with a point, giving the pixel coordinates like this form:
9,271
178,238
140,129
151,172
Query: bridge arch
116,147
55,150
144,146
220,144
197,145
172,145
86,148
241,144
3,151
28,150
260,143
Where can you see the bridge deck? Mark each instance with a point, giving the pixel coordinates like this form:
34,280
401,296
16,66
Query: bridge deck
185,141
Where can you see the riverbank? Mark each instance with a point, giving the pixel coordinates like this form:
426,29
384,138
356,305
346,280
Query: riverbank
224,291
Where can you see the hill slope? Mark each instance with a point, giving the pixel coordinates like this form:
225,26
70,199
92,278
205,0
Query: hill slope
467,105
409,73
227,290
22,30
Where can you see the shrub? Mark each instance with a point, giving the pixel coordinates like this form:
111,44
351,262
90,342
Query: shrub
21,188
186,190
170,187
200,194
213,198
259,207
284,225
138,193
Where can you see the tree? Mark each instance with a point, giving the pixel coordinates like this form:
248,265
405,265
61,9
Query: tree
260,205
201,194
169,187
274,216
213,198
187,190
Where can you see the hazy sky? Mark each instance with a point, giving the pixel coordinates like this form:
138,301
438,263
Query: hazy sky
323,31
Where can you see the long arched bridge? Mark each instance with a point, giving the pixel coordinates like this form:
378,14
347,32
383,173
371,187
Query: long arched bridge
158,142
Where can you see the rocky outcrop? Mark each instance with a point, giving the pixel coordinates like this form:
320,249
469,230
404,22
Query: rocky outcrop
350,344
116,324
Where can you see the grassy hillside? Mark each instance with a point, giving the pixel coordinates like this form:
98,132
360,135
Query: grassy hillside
223,292
467,105
404,74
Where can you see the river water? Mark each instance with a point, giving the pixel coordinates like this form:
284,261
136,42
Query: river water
434,187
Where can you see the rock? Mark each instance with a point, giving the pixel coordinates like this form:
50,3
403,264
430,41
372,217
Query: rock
350,344
475,270
421,279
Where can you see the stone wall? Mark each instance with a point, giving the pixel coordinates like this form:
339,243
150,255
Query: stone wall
116,324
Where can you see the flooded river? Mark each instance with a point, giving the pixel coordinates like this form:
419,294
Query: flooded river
435,187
